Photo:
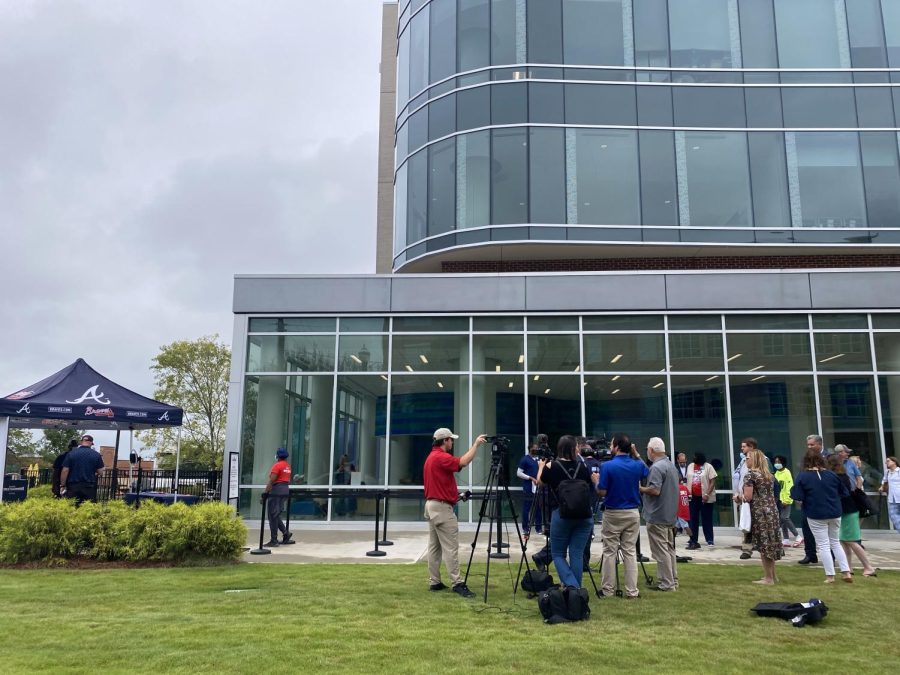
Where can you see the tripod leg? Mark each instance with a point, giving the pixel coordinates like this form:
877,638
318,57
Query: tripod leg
481,512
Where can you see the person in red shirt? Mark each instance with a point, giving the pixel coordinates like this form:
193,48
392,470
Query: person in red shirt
277,488
441,496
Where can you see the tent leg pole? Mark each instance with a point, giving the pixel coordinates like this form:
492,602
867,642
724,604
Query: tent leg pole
177,462
4,434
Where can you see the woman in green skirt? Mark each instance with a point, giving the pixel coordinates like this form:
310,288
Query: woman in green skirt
851,539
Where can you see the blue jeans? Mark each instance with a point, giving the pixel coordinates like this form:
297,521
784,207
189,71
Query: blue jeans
894,515
568,539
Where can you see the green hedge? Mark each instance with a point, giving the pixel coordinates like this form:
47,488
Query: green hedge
53,530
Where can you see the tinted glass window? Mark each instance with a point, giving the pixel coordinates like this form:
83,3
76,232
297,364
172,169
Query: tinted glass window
509,103
509,162
593,31
600,104
473,180
292,325
473,108
758,34
403,70
606,188
548,323
882,178
545,31
503,32
497,323
709,107
659,186
763,107
651,33
768,174
874,107
474,34
718,181
430,324
700,36
866,34
654,106
547,176
828,321
545,103
819,107
611,323
441,186
417,196
442,117
830,178
767,321
418,52
442,60
418,129
695,322
400,202
797,20
891,14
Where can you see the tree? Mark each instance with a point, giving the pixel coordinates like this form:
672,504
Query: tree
21,449
56,441
192,374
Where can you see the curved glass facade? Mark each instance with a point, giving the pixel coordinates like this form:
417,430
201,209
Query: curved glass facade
687,121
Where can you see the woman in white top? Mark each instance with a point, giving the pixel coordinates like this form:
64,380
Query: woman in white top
891,486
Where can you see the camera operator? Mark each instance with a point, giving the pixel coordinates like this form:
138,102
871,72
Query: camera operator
619,482
527,472
441,496
660,510
568,535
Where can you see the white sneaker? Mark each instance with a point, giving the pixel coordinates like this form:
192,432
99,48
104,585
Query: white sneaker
785,542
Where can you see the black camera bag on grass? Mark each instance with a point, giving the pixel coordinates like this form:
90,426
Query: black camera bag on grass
536,581
562,605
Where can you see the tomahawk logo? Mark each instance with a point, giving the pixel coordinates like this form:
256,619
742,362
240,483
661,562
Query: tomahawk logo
164,417
92,395
24,409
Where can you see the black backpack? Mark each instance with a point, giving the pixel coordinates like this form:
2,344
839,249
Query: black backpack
536,581
798,613
564,605
573,495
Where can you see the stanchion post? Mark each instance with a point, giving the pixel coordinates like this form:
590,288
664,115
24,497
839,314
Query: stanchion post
376,553
384,540
262,528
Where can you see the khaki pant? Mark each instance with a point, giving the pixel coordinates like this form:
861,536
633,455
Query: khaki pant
443,541
662,548
619,532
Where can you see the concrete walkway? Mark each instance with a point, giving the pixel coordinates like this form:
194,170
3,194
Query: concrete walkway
341,544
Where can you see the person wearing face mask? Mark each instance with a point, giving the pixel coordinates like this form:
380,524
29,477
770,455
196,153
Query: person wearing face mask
681,465
737,482
786,481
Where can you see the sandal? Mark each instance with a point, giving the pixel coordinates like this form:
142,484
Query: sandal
871,574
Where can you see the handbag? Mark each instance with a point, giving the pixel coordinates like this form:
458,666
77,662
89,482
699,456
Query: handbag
744,522
865,505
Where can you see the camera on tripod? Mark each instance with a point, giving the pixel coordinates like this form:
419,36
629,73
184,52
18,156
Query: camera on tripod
600,447
499,447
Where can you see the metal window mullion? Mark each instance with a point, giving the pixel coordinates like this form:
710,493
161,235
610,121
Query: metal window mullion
581,374
387,426
470,397
815,374
527,374
669,387
728,420
880,420
334,414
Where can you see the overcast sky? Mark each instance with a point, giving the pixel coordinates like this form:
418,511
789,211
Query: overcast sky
151,150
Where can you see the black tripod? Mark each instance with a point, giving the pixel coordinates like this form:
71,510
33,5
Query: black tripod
491,506
620,557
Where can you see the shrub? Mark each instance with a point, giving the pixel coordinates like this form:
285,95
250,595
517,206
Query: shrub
104,529
159,532
40,492
39,529
215,532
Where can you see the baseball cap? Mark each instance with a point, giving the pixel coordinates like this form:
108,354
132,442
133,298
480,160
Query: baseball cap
443,433
87,437
281,453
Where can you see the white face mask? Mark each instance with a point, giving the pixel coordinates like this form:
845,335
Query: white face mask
779,467
743,456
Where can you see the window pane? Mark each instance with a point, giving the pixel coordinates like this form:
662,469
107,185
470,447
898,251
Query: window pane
418,128
498,353
442,117
547,176
292,325
291,412
430,324
473,183
659,184
363,353
767,322
882,178
866,34
441,186
403,70
600,104
761,352
400,201
819,107
360,434
545,103
874,107
651,33
417,196
779,411
497,323
498,408
796,20
474,37
654,106
503,32
843,351
442,62
553,353
700,35
633,402
889,387
768,175
554,406
718,181
758,34
364,325
696,352
545,31
509,103
695,322
593,31
840,321
886,321
290,353
891,14
887,351
509,163
848,414
473,108
763,107
622,323
625,352
699,413
418,52
709,107
430,353
829,176
551,323
606,189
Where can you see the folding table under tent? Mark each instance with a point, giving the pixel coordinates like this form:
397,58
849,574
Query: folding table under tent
80,396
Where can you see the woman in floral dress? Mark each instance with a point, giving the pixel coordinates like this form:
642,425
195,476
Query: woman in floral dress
765,531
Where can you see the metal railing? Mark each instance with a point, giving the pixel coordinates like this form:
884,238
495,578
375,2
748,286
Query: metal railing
114,483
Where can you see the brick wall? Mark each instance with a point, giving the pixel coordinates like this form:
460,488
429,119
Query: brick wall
686,263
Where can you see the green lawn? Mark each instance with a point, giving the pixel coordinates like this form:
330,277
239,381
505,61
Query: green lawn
381,618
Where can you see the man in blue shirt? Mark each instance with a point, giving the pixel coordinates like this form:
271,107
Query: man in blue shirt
527,471
80,471
853,472
619,481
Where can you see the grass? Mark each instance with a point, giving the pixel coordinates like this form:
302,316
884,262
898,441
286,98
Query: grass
381,618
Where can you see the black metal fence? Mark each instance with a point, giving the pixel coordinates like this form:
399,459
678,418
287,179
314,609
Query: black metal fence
114,483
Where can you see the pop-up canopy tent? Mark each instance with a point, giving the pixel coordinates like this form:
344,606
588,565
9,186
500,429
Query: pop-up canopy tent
80,396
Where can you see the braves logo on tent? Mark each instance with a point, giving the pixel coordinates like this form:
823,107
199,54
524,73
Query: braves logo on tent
92,395
164,417
26,409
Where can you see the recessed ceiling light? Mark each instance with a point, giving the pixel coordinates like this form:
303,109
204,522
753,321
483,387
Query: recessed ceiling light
757,378
832,358
732,358
616,358
546,391
510,385
658,385
710,379
537,377
356,358
755,369
409,367
422,358
696,147
521,358
616,378
497,367
616,391
577,368
384,377
440,385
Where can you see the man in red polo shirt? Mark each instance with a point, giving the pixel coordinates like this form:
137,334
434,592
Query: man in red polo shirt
441,496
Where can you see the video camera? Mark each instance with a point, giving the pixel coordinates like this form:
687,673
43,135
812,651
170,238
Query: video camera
499,447
600,447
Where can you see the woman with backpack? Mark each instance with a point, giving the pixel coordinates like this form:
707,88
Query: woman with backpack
570,524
